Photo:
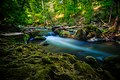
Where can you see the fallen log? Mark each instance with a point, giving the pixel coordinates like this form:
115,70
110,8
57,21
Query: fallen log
12,34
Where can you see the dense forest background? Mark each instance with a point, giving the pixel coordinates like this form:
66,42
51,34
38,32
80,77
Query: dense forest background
58,12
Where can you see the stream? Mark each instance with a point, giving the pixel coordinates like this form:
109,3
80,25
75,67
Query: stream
81,48
99,50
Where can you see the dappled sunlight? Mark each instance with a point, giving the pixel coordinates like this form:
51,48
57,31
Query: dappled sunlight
96,8
58,16
83,12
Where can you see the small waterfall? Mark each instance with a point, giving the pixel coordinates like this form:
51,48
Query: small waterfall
74,45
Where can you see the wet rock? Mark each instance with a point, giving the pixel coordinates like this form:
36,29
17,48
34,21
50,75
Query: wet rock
39,38
80,34
64,33
36,39
92,61
44,43
98,68
112,64
118,42
94,39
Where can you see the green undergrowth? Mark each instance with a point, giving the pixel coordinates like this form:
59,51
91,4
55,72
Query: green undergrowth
34,62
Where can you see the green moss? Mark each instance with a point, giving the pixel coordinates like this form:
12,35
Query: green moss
33,62
64,33
26,37
88,32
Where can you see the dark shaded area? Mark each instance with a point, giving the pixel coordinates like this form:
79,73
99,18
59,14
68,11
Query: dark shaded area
9,28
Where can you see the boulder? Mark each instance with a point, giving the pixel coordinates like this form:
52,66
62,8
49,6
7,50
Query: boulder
112,64
80,34
87,32
33,62
64,33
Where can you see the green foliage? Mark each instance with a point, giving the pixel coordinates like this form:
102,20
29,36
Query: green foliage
47,12
13,12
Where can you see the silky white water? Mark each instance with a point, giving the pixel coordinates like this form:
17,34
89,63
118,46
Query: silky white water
74,45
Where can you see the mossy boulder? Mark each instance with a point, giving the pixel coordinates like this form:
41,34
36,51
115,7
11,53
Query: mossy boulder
88,32
39,38
80,34
64,33
112,64
34,62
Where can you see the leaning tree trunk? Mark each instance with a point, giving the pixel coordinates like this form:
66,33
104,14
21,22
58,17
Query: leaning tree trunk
116,24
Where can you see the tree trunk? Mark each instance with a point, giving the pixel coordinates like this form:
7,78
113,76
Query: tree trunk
116,26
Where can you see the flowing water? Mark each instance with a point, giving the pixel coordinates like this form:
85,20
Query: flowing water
81,48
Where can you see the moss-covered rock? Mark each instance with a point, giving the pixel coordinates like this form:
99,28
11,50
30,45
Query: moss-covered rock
80,34
112,64
88,32
64,33
33,62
